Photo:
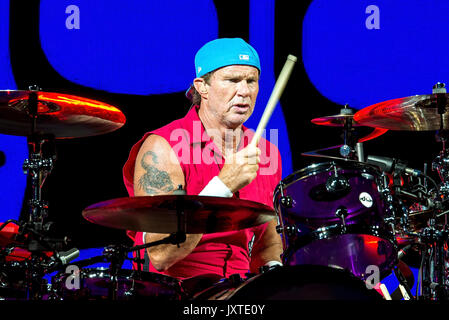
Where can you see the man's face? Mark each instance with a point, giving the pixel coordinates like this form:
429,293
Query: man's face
232,94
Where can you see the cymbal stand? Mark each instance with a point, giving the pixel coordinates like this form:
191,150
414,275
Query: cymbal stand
117,254
441,162
32,228
348,147
434,277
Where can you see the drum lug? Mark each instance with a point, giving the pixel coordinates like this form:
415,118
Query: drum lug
286,201
279,229
342,213
290,230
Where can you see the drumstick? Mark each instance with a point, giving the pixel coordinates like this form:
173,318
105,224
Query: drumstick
385,292
404,292
274,98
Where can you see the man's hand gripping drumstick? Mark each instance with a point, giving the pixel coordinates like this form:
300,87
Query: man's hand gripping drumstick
245,163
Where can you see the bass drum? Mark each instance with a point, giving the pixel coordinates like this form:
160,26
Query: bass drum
95,284
304,282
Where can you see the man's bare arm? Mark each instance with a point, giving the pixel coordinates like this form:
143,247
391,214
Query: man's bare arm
158,172
268,248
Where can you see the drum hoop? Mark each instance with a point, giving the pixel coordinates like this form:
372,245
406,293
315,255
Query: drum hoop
331,231
125,274
318,168
327,232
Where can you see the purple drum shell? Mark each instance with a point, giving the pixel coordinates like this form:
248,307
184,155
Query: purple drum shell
312,203
319,237
352,252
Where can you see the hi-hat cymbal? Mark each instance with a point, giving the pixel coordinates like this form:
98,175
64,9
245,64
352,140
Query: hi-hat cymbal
414,113
338,120
61,115
158,214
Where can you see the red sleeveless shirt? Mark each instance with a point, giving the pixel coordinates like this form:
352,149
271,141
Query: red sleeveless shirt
222,253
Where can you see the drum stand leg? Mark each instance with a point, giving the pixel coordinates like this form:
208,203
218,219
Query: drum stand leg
117,254
434,264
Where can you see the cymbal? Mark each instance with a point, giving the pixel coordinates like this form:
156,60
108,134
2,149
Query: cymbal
337,120
158,214
377,132
414,113
64,116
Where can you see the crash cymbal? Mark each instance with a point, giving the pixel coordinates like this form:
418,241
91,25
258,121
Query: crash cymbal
158,214
61,115
414,113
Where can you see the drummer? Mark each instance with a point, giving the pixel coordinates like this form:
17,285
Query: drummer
208,153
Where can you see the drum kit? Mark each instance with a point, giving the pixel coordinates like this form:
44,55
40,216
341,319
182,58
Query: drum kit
343,221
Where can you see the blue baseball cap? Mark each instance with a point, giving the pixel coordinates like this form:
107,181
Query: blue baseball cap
223,52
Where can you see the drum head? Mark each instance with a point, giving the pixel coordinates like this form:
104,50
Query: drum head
313,202
305,282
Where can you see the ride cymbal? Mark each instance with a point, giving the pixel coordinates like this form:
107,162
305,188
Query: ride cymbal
158,214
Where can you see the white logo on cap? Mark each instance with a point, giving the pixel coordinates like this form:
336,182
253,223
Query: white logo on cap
244,57
199,70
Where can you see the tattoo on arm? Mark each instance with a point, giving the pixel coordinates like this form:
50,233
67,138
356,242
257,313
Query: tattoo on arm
153,158
154,181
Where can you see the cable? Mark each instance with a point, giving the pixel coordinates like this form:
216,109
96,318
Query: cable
8,222
431,180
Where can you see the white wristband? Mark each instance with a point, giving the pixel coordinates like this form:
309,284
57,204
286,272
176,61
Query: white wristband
273,263
216,188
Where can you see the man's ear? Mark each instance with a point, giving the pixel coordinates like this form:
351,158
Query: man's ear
200,85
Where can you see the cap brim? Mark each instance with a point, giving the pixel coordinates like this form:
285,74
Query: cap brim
189,92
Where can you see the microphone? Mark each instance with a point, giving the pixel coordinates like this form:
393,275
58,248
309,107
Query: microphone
391,165
69,255
62,258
